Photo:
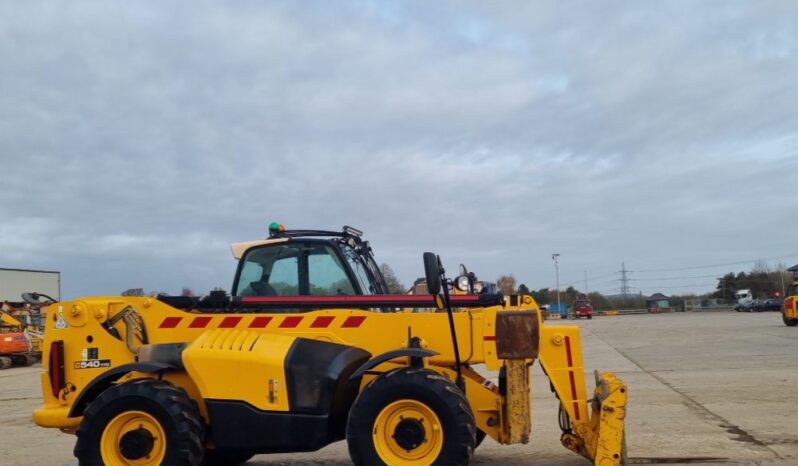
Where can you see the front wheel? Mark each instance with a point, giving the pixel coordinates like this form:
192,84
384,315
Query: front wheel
787,321
411,417
144,422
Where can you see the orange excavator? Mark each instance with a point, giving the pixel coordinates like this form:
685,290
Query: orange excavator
17,346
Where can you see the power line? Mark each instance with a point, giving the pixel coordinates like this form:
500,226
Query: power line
581,280
685,286
697,267
673,278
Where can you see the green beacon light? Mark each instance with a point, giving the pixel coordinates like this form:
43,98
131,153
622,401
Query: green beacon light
276,228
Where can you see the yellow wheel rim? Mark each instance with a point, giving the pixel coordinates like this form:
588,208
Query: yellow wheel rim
138,428
408,432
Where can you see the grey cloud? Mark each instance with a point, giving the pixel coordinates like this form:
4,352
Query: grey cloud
138,140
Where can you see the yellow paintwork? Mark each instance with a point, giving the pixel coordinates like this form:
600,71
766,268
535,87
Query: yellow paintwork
385,425
239,361
791,312
517,405
126,422
230,364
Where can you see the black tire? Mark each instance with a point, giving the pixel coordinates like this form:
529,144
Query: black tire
225,458
787,321
590,316
177,415
423,386
23,360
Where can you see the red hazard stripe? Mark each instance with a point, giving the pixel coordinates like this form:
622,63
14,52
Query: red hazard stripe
353,321
568,351
260,322
571,376
573,394
322,322
490,338
290,322
200,322
230,322
170,322
345,298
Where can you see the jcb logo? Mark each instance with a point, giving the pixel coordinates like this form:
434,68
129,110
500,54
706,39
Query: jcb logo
93,364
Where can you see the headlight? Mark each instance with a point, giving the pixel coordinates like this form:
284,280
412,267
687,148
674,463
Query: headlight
462,283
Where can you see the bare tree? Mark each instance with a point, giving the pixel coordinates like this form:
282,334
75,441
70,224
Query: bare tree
133,292
187,292
506,284
394,285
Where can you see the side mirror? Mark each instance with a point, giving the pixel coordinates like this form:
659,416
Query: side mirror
432,271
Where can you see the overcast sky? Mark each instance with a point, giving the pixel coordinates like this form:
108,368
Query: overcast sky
139,139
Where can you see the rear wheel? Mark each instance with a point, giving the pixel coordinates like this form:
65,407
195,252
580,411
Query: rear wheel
5,362
144,422
411,417
787,321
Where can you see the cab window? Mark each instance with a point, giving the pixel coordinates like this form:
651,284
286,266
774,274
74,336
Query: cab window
359,270
291,269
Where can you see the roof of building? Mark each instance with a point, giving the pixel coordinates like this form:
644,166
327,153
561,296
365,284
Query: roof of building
28,270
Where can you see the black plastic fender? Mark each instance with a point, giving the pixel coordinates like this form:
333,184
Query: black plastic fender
387,356
104,380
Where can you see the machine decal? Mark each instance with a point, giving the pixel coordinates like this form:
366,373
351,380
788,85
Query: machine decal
90,353
571,376
92,363
60,322
292,321
274,388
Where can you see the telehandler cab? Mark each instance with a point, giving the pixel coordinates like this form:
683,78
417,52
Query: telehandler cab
308,350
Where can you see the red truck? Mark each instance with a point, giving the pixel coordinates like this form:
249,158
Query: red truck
583,308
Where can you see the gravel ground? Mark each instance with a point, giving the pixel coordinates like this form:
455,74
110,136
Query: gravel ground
704,388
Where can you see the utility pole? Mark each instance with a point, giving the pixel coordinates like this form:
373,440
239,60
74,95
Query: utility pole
556,258
586,291
783,290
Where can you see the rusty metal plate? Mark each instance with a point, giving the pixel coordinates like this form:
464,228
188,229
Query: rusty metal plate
517,334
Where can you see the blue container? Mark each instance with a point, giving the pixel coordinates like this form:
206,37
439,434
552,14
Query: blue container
562,309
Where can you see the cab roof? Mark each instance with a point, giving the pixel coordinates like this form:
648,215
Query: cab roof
280,235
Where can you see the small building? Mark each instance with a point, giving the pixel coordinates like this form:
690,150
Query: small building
794,270
658,302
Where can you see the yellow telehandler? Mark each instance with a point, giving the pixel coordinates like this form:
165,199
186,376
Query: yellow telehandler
789,313
309,349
